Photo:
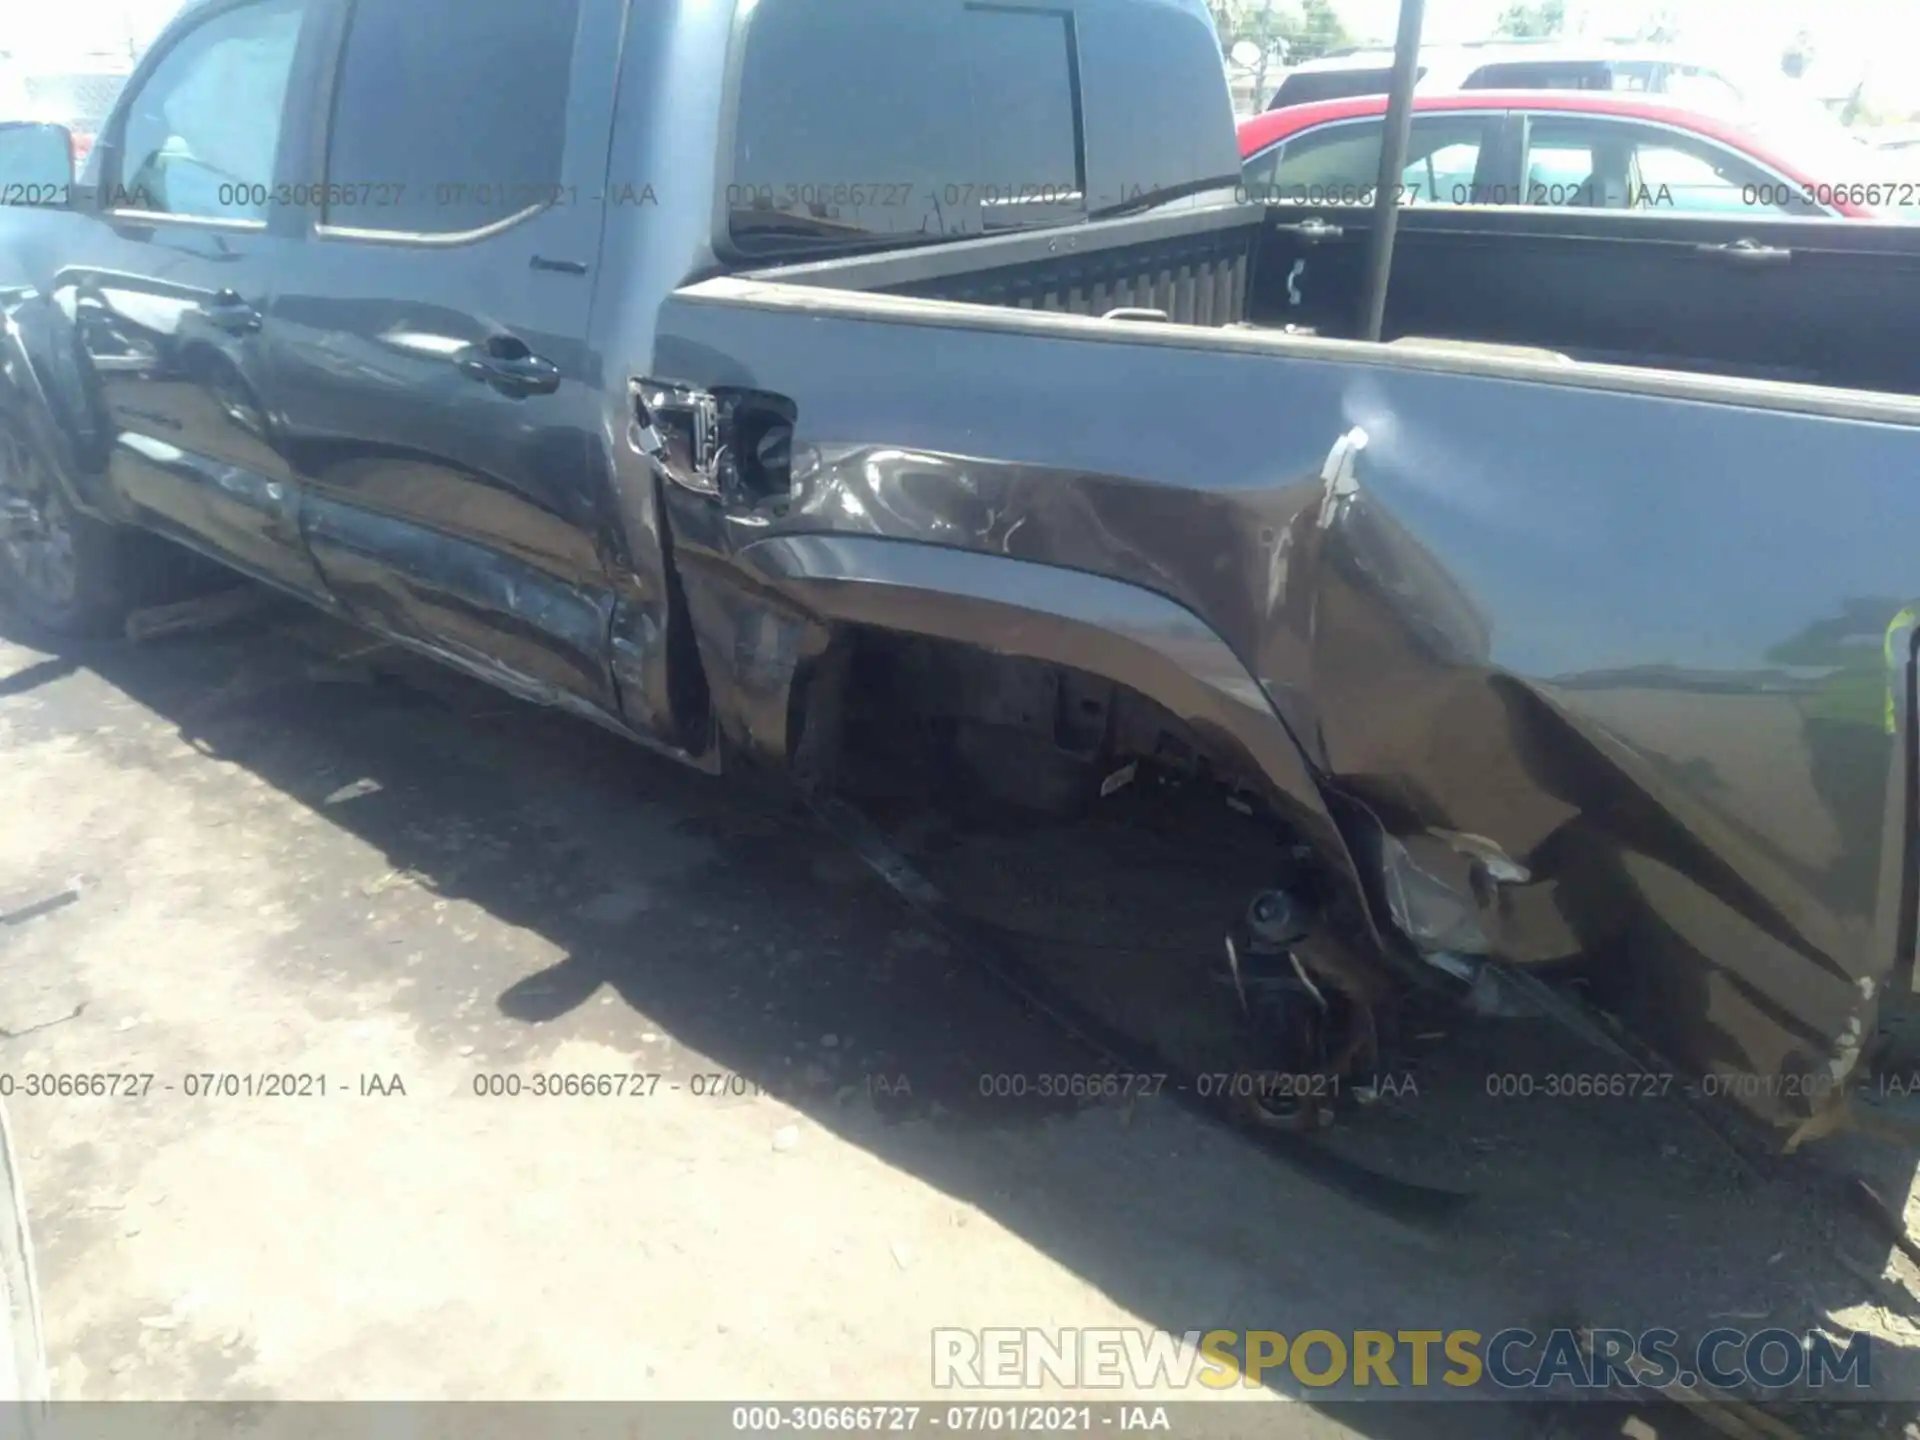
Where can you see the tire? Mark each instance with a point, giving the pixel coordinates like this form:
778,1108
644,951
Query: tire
64,572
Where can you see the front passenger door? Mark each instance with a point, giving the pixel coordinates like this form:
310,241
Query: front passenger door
169,282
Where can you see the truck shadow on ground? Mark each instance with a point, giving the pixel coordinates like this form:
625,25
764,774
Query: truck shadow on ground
722,917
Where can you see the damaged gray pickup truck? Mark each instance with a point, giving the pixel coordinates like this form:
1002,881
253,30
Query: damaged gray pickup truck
808,385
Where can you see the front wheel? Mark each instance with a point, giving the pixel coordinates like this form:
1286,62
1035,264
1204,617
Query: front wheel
65,572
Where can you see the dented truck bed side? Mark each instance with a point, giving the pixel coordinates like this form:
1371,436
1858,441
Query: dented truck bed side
1587,662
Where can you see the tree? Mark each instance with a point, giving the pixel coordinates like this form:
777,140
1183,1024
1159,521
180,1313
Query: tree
1305,34
1317,31
1525,21
1662,27
1797,56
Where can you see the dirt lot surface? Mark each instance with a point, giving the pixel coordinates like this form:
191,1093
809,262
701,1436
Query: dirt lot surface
296,857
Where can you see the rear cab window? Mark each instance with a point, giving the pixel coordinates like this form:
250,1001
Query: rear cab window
961,119
1023,80
874,159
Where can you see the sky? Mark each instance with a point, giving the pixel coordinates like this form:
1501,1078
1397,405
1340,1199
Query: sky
38,33
1873,40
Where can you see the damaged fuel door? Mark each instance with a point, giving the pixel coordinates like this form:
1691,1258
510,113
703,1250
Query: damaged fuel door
723,459
734,446
677,429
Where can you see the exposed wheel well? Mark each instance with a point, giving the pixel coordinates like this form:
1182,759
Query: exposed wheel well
1005,730
1111,795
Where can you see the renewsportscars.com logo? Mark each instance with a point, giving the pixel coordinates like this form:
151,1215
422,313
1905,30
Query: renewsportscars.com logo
1507,1361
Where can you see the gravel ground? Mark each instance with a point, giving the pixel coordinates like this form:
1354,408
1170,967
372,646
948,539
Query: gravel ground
298,857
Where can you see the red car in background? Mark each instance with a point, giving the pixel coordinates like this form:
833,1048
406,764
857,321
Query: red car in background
1591,148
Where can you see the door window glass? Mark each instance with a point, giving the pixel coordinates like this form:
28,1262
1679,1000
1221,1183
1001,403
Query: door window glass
1621,165
1339,164
1675,177
1577,160
449,115
200,133
1560,172
1444,176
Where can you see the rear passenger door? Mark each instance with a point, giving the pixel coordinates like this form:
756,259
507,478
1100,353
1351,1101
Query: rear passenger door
440,403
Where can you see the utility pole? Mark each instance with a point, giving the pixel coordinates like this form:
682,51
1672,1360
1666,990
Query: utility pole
1393,160
1266,48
